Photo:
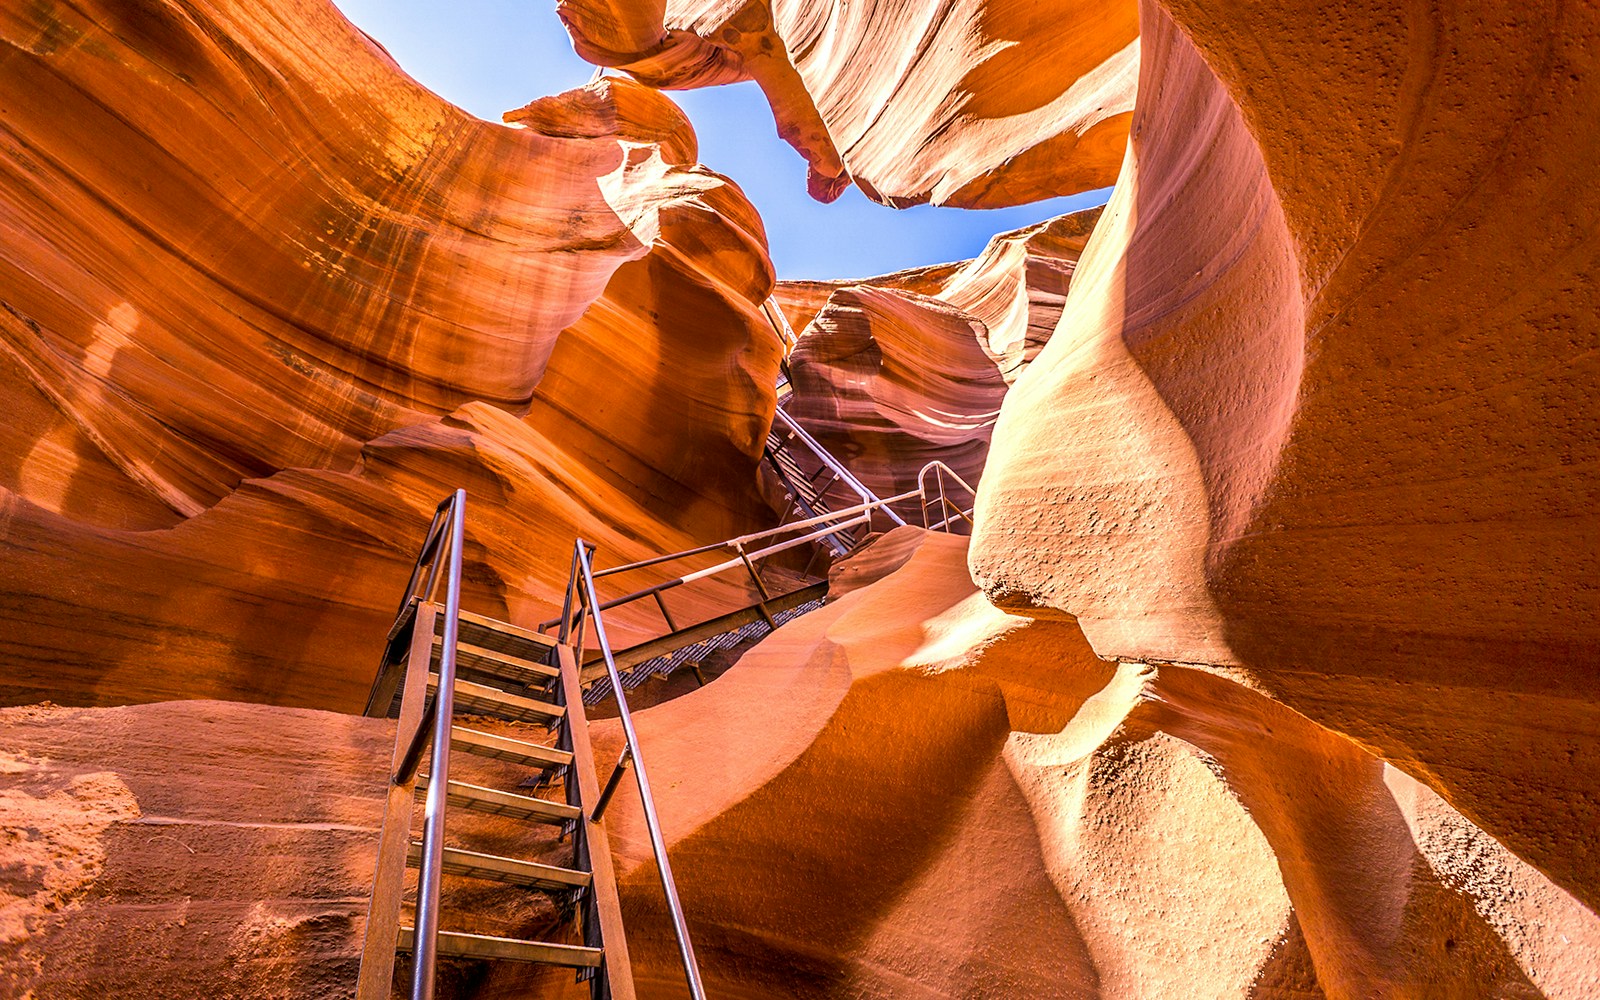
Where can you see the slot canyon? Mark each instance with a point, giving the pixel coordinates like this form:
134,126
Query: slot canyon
1191,596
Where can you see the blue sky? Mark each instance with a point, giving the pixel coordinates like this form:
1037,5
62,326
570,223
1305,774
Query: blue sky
491,55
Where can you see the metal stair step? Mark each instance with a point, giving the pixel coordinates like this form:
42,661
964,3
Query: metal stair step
506,748
501,637
495,663
460,945
481,699
471,864
490,800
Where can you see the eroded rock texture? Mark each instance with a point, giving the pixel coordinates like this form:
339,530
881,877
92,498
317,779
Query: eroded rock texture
942,798
197,848
264,301
893,372
1278,677
913,102
1316,424
1316,437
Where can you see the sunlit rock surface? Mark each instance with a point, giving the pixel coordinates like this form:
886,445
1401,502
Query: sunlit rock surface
942,798
1319,407
893,372
264,300
973,104
1278,676
187,849
1317,417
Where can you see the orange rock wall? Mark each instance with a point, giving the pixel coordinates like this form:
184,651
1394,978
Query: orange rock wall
1317,410
264,301
892,372
915,793
197,848
1317,414
955,118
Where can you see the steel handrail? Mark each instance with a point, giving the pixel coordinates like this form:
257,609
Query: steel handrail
825,524
587,605
833,464
824,520
940,470
851,516
434,728
853,513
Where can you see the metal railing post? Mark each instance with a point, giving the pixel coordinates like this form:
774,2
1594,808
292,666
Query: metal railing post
827,459
431,869
611,784
665,614
944,504
631,740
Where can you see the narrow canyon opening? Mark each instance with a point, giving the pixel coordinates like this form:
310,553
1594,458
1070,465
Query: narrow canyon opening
457,556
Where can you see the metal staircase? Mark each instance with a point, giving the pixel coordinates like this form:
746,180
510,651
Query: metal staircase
472,664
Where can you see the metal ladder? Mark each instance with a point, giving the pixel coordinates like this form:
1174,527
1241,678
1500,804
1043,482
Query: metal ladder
493,668
470,663
786,442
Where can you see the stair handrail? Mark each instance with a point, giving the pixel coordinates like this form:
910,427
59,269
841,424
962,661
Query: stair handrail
434,727
833,464
585,603
940,470
822,525
829,523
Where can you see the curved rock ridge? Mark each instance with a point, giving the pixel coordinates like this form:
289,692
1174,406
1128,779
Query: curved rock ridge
264,300
194,849
1318,413
1328,376
977,104
892,372
995,811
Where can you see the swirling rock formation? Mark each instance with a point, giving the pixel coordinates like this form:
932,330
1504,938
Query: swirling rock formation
1328,384
264,300
1317,418
1278,677
892,372
958,112
919,794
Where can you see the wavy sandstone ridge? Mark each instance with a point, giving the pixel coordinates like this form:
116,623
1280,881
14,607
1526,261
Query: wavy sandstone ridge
892,372
918,794
264,300
1317,417
912,102
1328,385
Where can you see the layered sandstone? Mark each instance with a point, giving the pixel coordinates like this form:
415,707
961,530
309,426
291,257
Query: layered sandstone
191,849
912,102
1278,676
915,793
1327,377
264,300
908,792
1317,417
893,372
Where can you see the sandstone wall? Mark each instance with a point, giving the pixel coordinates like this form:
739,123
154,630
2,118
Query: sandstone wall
187,849
892,372
1317,410
913,102
1317,416
264,300
913,793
